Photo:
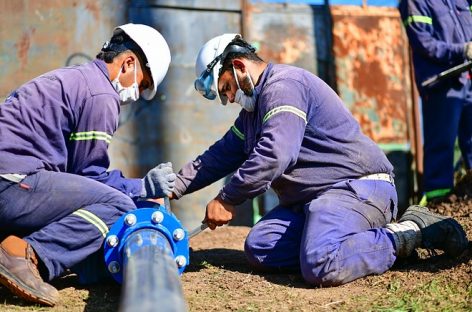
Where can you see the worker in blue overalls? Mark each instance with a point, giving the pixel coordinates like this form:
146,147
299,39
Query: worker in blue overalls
57,199
440,35
337,198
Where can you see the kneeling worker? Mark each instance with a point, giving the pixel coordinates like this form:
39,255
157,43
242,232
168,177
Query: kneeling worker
335,186
57,199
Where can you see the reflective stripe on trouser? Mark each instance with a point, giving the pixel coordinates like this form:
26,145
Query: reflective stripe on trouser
63,216
339,237
447,115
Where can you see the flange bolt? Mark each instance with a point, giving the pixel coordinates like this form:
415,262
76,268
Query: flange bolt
178,234
130,219
157,217
114,267
113,240
181,261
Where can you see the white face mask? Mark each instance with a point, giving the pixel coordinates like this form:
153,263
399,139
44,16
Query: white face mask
129,94
248,102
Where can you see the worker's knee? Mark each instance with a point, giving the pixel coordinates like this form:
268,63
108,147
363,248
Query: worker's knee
120,202
322,269
271,255
254,251
127,203
261,252
323,279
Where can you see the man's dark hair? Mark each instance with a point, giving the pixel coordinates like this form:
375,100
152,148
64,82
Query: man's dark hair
238,48
120,42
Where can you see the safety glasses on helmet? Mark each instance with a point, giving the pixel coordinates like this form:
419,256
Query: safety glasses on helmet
204,83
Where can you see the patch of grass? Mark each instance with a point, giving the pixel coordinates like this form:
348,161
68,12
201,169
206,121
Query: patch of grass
438,294
205,264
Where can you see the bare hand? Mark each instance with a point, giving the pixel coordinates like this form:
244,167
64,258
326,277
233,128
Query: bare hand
218,213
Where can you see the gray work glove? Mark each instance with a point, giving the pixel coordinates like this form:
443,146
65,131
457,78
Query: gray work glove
159,181
468,50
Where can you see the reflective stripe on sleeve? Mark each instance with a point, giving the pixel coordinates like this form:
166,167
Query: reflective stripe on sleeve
284,108
90,135
418,19
238,133
93,219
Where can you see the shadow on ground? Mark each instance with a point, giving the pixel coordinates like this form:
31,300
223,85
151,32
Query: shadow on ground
235,260
428,261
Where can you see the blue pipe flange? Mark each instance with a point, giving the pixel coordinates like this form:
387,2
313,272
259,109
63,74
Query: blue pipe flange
157,218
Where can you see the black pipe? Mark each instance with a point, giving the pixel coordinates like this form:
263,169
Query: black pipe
151,279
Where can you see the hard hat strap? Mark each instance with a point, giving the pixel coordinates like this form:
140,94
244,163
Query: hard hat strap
213,63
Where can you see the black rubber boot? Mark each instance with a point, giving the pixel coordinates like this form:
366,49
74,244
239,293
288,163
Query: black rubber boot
438,232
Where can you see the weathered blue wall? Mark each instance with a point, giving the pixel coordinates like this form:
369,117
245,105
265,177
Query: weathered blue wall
38,36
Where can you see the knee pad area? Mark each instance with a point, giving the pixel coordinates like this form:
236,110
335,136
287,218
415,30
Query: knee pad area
267,257
321,269
254,252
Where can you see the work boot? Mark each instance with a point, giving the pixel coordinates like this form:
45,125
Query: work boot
19,272
437,232
406,236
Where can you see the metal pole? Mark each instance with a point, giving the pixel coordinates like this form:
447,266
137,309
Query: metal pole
150,276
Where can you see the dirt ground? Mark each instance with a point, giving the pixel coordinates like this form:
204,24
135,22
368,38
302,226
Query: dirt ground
219,279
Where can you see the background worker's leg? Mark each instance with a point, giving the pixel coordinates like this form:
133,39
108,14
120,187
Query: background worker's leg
465,131
441,115
344,236
274,242
64,217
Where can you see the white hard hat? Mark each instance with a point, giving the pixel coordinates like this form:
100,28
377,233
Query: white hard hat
155,49
207,66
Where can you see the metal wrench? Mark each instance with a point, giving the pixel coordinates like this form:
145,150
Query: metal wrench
197,230
193,232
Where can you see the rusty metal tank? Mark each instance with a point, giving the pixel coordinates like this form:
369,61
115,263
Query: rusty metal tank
372,71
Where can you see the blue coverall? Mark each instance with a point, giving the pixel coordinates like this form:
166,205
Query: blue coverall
55,130
438,31
303,142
